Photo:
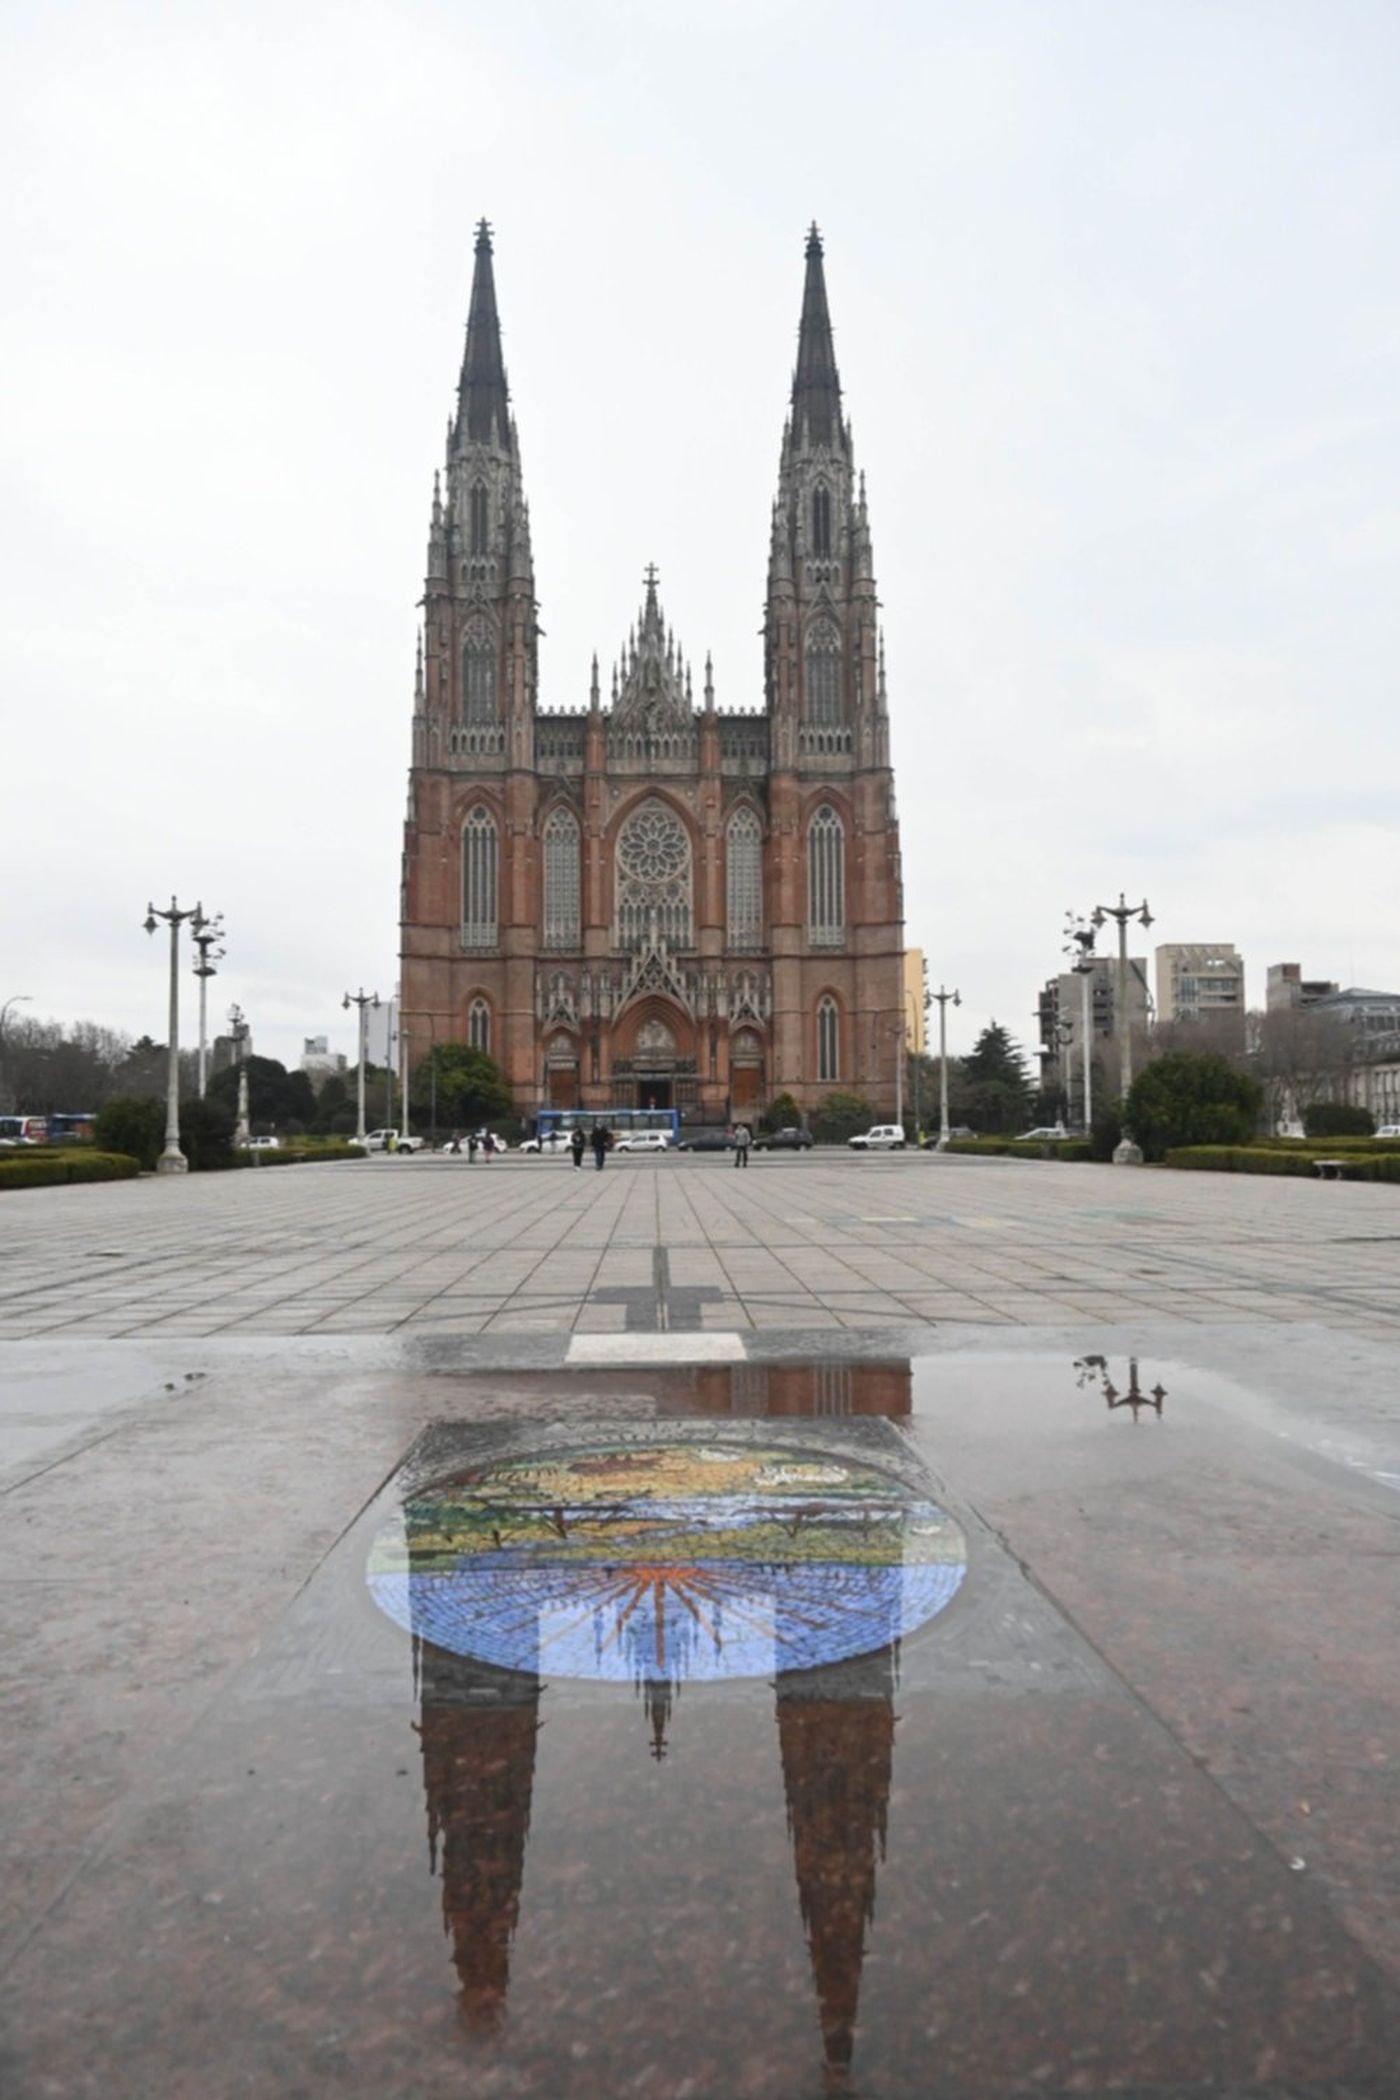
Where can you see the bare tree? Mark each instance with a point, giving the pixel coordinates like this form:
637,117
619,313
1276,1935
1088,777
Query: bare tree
1300,1058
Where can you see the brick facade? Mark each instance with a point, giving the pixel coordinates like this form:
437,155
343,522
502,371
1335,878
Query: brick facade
654,900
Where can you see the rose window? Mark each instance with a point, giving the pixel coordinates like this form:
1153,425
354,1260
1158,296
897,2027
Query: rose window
653,880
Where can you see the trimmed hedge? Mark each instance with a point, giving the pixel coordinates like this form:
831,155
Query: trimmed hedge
1270,1159
296,1155
1022,1148
43,1168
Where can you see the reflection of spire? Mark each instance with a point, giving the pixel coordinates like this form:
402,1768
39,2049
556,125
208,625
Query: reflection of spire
477,1731
836,1737
658,1697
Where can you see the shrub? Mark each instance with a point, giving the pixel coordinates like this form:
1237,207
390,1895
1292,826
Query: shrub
206,1135
134,1126
841,1116
1329,1119
782,1113
1191,1097
1106,1133
1271,1159
1022,1148
316,1150
43,1168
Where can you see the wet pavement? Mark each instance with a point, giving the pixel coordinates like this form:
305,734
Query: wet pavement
894,1713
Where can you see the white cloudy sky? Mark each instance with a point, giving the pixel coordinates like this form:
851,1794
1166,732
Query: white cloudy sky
1115,295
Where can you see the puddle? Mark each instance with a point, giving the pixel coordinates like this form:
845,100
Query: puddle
683,1731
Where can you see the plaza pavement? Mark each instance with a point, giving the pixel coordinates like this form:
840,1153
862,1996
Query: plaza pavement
828,1242
1143,1836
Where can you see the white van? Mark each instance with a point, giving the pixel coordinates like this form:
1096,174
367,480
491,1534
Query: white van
882,1137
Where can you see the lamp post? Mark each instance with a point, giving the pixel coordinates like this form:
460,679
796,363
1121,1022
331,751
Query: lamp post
912,1003
363,1000
206,934
943,996
238,1029
1126,1153
172,1160
1081,945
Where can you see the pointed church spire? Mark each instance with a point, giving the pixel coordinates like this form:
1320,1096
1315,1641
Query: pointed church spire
483,398
816,389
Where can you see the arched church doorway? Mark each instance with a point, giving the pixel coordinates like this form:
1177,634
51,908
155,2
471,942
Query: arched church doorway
745,1074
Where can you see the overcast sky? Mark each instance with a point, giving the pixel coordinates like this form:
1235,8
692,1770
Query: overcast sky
1114,291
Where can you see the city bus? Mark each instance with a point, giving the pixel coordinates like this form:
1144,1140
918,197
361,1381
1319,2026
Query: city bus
621,1121
24,1130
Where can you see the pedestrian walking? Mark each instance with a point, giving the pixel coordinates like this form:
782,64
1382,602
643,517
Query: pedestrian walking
741,1145
488,1146
577,1142
471,1149
602,1138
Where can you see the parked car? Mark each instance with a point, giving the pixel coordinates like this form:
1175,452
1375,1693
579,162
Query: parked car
955,1130
24,1130
707,1141
881,1137
550,1141
789,1140
1044,1130
264,1144
1389,1130
644,1141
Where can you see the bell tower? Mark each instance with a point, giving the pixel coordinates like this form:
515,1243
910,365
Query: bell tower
835,889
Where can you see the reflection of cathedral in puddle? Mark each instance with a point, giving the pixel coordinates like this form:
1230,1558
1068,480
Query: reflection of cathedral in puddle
835,1741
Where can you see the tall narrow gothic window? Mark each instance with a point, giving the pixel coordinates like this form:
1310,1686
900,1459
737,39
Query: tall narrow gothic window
479,675
478,519
826,879
479,1025
821,519
828,1040
743,861
561,883
653,879
823,675
479,886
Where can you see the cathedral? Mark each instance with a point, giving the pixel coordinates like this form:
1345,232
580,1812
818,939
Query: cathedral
654,900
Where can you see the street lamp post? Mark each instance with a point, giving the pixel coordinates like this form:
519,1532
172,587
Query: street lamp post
206,934
912,1003
1081,945
172,1160
364,1000
238,1029
943,996
1126,1153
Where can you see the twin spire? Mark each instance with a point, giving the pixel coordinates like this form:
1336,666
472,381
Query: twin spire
483,397
816,388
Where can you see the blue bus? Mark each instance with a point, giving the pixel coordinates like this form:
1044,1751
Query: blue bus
622,1121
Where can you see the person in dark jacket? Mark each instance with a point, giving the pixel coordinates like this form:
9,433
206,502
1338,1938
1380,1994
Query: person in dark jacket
577,1141
602,1138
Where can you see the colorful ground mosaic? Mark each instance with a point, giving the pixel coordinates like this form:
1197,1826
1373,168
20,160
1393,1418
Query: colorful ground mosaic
667,1561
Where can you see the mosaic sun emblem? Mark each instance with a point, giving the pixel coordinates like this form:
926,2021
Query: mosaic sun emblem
667,1562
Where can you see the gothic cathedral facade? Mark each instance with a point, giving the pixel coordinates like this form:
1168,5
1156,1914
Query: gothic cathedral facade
652,900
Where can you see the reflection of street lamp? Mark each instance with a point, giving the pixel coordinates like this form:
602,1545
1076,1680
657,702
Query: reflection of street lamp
206,934
172,1160
1094,1370
943,996
238,1029
363,1000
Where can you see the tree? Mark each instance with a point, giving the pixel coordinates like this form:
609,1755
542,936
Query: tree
995,1090
206,1134
839,1116
1300,1058
134,1125
277,1099
1192,1098
782,1113
465,1086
